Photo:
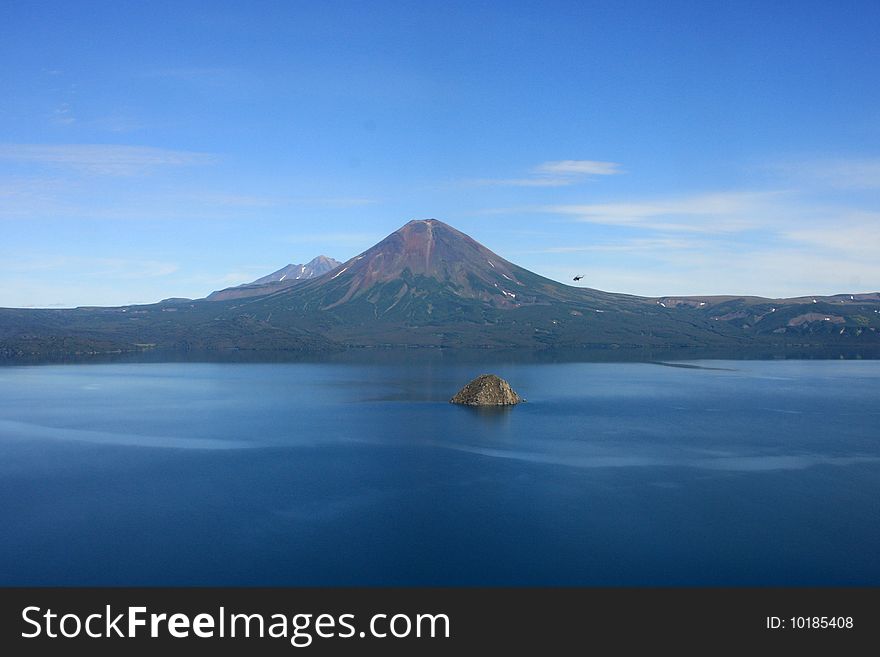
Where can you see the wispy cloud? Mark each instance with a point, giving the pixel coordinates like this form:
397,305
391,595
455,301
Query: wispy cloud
745,242
719,267
851,234
834,173
102,159
110,268
704,213
30,197
520,182
579,168
63,115
558,173
651,245
256,201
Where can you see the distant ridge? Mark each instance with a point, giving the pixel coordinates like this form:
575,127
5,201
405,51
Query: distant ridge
284,277
312,269
430,285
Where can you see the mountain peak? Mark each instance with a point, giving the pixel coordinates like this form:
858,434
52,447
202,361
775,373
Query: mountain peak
315,267
284,277
312,269
429,220
428,263
426,247
419,233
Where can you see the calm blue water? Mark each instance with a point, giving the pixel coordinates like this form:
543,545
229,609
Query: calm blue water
757,473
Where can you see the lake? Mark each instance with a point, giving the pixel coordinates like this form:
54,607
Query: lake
720,473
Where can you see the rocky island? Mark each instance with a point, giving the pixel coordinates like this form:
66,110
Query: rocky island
487,390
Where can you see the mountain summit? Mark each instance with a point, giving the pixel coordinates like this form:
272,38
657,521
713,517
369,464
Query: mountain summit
430,285
425,256
427,269
312,269
284,277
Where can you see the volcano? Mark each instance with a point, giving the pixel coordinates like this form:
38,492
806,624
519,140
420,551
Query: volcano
430,285
422,257
427,262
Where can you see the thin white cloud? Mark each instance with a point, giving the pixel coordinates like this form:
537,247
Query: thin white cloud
108,268
626,246
58,195
520,182
102,159
833,173
29,197
780,272
558,173
254,201
719,268
579,168
63,115
767,243
710,213
852,234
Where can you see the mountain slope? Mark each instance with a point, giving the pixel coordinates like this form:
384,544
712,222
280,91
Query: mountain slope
427,260
284,277
427,284
312,269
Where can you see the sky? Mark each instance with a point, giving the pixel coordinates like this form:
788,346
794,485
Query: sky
167,149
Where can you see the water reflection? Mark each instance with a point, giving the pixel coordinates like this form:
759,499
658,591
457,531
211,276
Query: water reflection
490,416
387,356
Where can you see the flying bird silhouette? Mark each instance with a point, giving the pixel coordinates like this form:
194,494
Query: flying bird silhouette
578,277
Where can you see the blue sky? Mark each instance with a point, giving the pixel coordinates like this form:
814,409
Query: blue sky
150,150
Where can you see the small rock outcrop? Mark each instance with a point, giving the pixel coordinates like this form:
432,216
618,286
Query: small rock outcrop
487,390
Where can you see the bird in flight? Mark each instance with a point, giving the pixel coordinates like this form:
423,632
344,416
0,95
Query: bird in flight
578,277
